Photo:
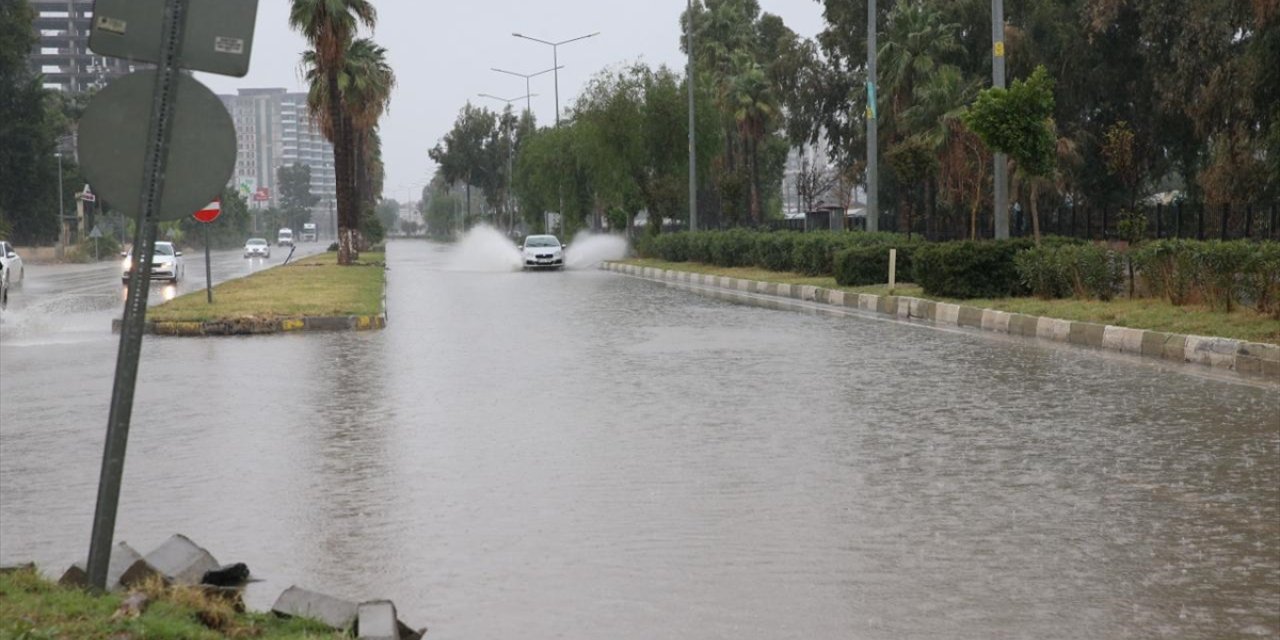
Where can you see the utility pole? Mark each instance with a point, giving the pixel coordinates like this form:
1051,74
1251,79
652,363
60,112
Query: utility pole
1001,172
873,143
693,138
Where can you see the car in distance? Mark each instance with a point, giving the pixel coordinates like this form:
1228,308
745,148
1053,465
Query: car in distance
542,252
284,238
12,264
257,248
309,232
166,264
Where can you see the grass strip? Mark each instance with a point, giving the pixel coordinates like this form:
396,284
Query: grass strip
312,286
33,607
1151,314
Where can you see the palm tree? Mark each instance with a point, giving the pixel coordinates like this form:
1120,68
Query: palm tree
329,26
365,82
917,42
754,109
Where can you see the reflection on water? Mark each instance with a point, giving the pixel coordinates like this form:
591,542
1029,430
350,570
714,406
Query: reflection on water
588,455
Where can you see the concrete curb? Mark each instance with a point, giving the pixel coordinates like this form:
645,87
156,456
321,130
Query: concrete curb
1249,358
259,326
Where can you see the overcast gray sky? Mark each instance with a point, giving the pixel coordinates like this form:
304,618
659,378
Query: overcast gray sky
442,51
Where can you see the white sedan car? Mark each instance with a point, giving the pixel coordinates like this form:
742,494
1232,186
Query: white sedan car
12,264
166,264
257,248
542,252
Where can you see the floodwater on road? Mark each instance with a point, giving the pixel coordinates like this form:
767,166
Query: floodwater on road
580,454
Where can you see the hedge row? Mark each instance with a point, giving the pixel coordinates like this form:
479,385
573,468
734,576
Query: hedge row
1224,274
812,254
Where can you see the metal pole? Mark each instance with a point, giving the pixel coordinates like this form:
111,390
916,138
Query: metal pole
135,311
873,142
555,64
693,138
62,222
997,80
208,271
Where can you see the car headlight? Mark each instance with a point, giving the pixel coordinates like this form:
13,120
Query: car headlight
128,264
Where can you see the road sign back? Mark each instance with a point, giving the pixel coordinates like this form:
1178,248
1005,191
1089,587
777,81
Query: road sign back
209,212
113,145
219,33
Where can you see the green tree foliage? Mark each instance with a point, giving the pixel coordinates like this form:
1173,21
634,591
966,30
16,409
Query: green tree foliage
465,154
296,198
29,129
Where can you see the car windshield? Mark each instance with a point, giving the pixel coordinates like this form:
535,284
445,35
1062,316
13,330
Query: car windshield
542,241
164,249
253,241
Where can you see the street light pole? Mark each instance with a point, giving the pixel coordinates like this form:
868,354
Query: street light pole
997,80
555,59
693,138
528,104
873,142
62,212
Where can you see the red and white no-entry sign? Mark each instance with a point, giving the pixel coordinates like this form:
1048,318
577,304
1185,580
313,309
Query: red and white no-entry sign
210,211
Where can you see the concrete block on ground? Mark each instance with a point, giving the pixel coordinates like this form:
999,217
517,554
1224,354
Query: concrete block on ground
744,285
835,298
297,602
783,290
1053,329
1215,352
1122,339
808,292
970,317
181,560
125,568
947,314
1021,324
1260,351
1175,347
376,620
1086,334
1153,343
997,321
868,302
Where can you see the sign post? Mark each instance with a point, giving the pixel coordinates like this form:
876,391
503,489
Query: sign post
162,143
206,216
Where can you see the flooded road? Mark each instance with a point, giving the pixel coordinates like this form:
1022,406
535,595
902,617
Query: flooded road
582,454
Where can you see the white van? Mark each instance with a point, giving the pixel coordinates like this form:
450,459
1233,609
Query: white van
284,238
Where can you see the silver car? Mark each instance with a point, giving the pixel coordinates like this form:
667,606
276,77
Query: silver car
542,252
257,248
166,264
12,264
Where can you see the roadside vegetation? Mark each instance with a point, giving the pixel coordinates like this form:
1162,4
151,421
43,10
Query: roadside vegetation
313,286
1228,289
34,608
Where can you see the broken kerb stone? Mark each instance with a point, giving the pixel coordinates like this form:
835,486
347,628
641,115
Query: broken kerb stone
181,560
125,569
376,620
300,603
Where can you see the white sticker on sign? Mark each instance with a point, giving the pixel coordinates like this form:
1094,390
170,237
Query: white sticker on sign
114,25
224,44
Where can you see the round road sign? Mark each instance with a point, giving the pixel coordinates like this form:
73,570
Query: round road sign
113,145
210,212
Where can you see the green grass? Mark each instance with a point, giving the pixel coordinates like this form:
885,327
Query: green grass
1140,313
313,286
33,608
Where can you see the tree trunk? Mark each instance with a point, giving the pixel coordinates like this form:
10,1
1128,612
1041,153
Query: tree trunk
341,168
754,176
1035,212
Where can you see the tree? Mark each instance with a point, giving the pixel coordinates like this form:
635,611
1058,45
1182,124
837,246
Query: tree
1018,121
388,213
329,26
29,129
462,154
296,198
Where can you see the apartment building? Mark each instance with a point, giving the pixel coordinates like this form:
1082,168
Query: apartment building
61,53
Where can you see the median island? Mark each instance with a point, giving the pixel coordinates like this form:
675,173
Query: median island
311,294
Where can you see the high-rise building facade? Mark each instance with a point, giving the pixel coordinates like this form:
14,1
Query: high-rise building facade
61,53
273,130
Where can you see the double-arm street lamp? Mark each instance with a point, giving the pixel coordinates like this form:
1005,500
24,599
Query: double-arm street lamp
555,60
527,77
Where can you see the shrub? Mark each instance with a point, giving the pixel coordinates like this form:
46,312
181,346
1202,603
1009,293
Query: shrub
969,269
107,249
773,251
733,248
697,246
1088,271
1220,265
1041,271
1169,268
1261,280
869,264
